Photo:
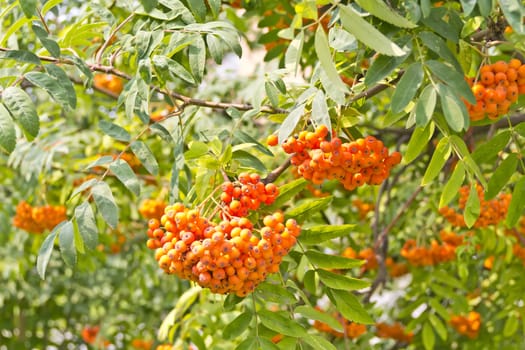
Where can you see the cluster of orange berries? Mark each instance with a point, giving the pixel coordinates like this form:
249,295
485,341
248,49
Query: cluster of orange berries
228,257
152,208
395,331
108,82
38,219
498,87
90,335
395,269
433,255
142,344
351,330
247,194
363,208
353,164
491,211
467,325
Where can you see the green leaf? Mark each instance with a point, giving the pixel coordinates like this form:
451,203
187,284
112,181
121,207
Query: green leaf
21,107
275,293
125,174
44,253
350,307
451,188
7,131
20,56
454,109
418,142
336,281
321,233
381,67
28,7
50,45
289,124
184,302
436,44
216,47
281,323
248,160
486,152
502,175
146,157
60,91
293,53
115,131
517,203
84,186
322,49
318,342
462,151
87,225
439,158
198,8
472,207
381,10
454,80
367,33
320,114
105,203
173,68
148,4
425,105
197,58
243,137
446,23
249,343
514,13
310,281
237,326
272,93
267,344
287,192
407,87
314,314
308,207
429,338
468,6
440,309
438,325
66,242
511,326
328,261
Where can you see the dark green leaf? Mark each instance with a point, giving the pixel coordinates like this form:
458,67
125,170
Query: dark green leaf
381,10
125,174
198,8
20,56
28,7
237,326
310,281
446,23
7,131
517,203
337,281
249,343
248,160
486,152
267,344
50,45
454,109
148,4
66,242
418,142
105,203
308,207
319,234
243,137
58,90
327,261
407,87
172,67
454,80
381,67
114,130
350,307
436,44
511,326
439,158
287,192
472,207
23,110
281,323
367,33
146,157
87,225
502,175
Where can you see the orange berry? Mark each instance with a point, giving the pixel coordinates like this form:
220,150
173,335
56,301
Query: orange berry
272,140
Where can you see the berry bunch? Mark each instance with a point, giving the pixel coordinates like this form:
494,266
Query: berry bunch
363,208
366,254
351,330
467,325
423,256
246,194
498,87
353,164
38,219
396,269
89,334
152,208
395,331
491,212
230,256
108,82
142,344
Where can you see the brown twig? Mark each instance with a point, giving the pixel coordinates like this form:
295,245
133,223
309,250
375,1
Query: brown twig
98,57
374,90
277,172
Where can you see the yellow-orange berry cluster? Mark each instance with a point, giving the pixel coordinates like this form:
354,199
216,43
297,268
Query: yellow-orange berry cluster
498,87
366,254
363,208
108,82
353,164
38,219
428,256
467,325
396,269
246,194
227,257
491,211
142,344
152,208
351,329
395,331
